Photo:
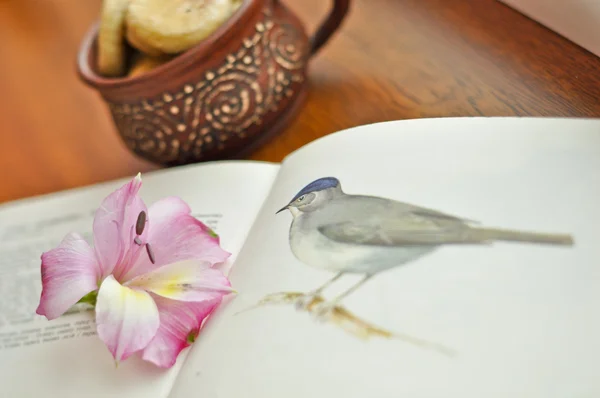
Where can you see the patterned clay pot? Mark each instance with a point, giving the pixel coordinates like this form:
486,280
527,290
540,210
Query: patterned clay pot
221,99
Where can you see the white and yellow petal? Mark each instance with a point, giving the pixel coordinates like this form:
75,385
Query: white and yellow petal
188,280
127,319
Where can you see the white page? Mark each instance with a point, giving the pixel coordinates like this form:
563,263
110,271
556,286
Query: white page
64,358
523,321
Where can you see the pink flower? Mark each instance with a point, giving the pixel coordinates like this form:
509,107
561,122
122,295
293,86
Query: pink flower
152,270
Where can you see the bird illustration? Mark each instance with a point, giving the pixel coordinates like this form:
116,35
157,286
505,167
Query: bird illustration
358,234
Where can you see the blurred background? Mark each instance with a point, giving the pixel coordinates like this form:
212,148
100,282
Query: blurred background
391,59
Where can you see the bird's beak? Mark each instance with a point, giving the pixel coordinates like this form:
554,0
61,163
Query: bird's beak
282,209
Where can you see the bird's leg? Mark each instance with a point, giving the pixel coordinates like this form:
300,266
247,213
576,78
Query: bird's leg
324,309
304,301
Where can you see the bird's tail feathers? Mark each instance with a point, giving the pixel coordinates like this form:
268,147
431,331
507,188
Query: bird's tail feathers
525,236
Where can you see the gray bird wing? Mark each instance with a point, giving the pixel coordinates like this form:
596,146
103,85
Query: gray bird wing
402,207
395,233
374,221
430,213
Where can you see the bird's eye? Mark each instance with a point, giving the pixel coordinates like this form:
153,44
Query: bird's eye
301,198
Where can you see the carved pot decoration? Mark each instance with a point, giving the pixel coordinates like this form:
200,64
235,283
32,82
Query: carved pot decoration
224,97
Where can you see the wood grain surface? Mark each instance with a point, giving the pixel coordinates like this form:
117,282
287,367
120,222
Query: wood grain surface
392,59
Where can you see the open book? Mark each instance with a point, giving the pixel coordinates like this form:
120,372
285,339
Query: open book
483,319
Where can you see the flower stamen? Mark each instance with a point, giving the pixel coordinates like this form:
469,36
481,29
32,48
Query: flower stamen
150,253
137,241
140,224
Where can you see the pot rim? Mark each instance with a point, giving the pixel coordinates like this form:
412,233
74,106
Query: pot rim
200,50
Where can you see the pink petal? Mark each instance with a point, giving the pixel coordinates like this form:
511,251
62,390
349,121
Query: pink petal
69,272
176,235
114,227
127,319
180,323
188,280
166,208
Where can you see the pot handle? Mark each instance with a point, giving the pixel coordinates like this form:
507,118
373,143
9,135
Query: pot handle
329,25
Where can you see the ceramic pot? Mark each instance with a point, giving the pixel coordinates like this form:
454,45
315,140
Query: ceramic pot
224,97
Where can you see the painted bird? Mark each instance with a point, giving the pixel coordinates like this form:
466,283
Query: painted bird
358,234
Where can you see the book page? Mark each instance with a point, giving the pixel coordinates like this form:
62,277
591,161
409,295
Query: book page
65,357
492,319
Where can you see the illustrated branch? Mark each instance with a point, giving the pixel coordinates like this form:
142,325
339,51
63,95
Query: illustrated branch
349,322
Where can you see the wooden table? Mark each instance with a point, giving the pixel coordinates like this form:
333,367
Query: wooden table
392,59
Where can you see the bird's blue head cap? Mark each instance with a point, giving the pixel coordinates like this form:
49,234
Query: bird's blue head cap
316,185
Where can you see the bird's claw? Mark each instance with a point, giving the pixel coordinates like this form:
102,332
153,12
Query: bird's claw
303,302
323,311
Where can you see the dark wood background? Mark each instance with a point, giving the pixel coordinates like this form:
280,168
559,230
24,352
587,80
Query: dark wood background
392,59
